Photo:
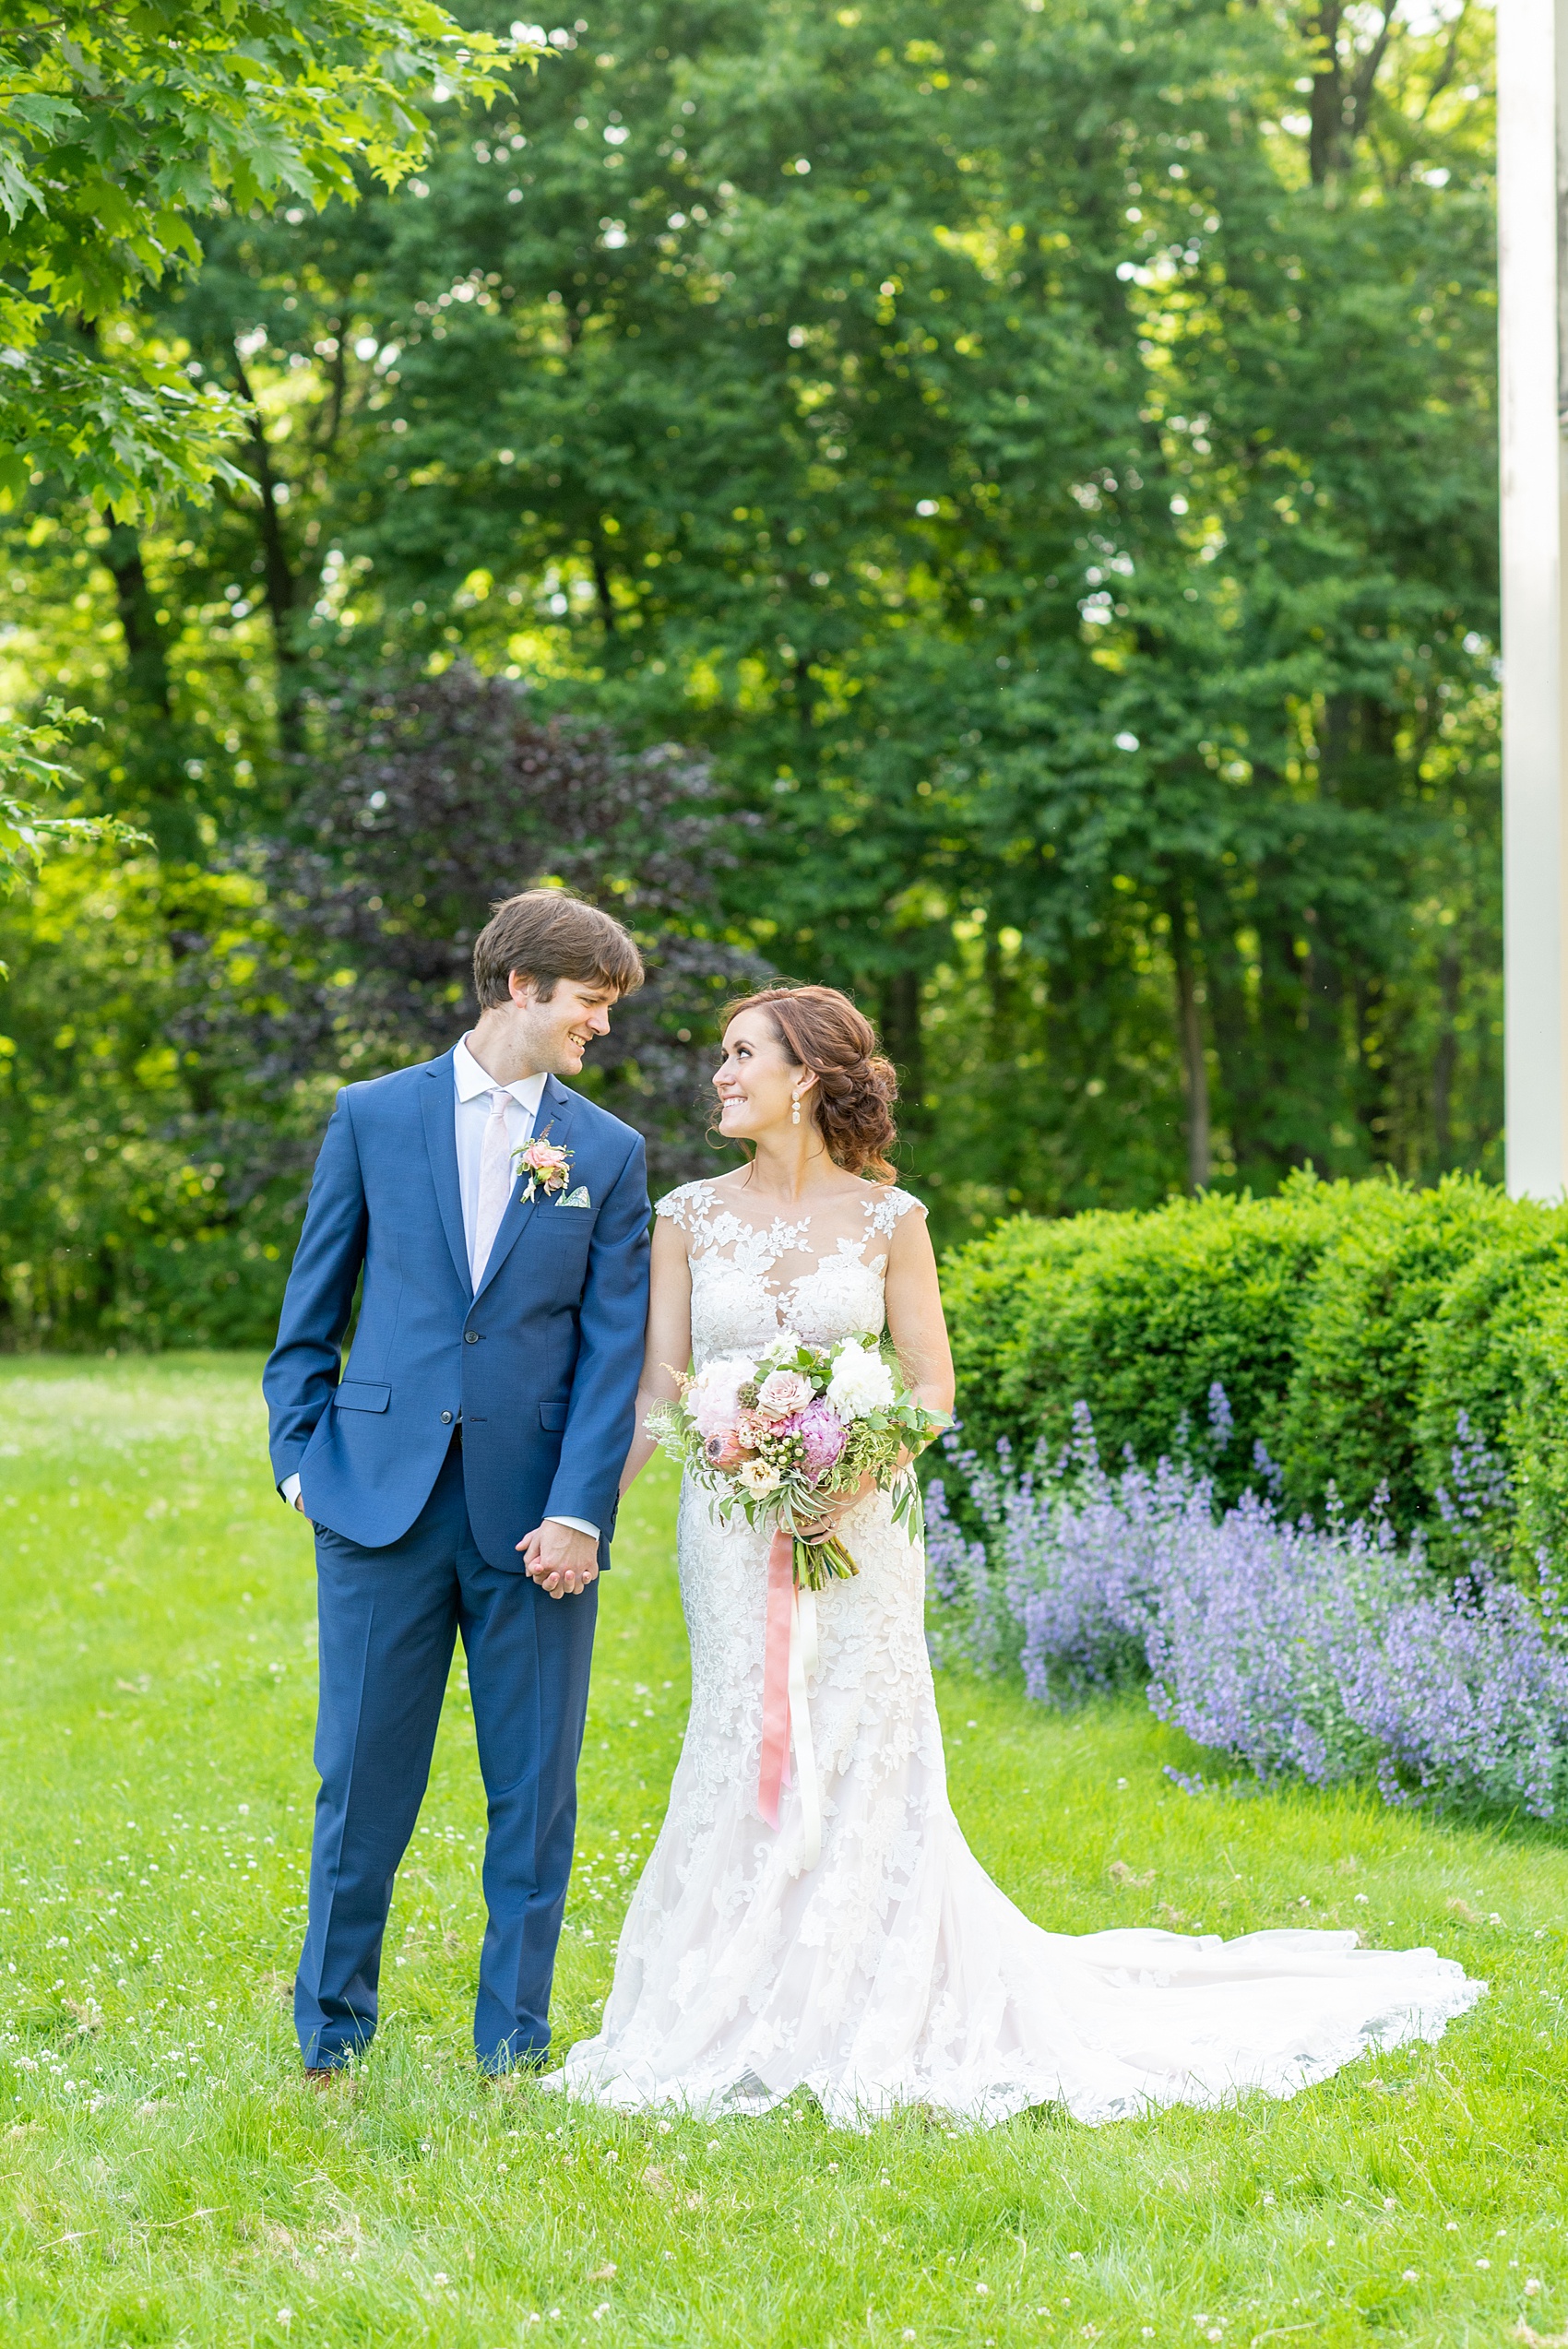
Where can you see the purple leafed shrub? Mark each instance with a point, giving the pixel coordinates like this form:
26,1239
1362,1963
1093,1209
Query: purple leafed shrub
1325,1651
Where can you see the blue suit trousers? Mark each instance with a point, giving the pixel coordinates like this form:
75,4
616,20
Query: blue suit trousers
389,1622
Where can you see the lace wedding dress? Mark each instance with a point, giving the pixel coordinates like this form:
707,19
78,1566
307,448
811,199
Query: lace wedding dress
894,1970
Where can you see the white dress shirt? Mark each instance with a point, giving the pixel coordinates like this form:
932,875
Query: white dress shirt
475,1089
471,1107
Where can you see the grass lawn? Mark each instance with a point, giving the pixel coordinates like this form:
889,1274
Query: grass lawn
166,2178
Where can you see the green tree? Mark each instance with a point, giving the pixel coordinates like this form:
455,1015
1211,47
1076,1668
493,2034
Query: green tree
121,124
1062,493
1043,456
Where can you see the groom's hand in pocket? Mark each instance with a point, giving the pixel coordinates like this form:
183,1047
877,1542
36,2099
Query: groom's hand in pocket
562,1561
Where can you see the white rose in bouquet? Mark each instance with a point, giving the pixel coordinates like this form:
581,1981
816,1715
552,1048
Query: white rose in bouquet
862,1382
759,1477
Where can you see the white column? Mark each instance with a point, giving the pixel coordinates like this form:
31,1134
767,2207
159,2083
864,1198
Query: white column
1532,85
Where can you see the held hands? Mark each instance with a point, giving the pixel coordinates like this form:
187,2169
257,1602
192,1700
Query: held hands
562,1561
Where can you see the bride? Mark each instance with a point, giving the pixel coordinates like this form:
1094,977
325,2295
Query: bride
893,1971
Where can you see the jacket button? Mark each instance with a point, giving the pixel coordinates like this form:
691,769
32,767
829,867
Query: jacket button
471,1337
446,1418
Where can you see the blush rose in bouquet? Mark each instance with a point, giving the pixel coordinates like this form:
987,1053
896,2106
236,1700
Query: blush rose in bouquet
776,1436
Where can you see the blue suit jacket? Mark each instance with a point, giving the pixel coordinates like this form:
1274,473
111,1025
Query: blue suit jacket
541,1364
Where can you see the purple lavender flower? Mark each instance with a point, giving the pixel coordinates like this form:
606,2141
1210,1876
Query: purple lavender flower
1324,1652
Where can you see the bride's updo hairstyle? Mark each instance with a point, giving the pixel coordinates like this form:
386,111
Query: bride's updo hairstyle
852,1099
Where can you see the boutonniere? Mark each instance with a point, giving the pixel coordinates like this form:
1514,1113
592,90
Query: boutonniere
546,1164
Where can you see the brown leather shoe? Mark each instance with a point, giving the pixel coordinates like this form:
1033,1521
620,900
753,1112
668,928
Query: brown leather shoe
325,2075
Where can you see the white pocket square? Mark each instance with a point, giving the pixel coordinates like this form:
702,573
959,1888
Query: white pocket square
577,1198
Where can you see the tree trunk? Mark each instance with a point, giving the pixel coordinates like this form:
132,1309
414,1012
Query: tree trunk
280,583
1325,144
1342,86
146,655
1190,1037
156,787
1231,1024
606,599
903,1040
1445,1060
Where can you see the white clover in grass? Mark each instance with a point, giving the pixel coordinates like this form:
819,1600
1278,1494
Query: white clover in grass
1483,2263
1411,2275
1532,2284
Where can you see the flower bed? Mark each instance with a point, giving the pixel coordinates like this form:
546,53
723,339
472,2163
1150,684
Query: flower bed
1327,1651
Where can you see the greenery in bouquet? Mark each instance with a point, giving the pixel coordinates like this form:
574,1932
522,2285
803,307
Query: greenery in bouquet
778,1436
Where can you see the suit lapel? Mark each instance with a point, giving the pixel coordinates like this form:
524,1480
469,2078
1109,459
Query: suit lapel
555,1106
437,1102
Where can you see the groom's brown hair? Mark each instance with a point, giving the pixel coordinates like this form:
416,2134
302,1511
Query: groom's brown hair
547,935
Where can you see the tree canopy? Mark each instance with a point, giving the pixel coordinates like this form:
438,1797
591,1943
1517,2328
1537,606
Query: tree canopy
120,126
1040,456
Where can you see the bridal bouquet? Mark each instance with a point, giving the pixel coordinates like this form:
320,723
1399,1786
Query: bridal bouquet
775,1436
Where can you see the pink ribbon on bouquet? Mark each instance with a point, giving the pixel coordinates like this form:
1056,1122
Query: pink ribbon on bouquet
788,1653
775,1675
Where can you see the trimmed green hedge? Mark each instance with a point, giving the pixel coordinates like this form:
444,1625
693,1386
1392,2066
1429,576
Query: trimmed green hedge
1350,1324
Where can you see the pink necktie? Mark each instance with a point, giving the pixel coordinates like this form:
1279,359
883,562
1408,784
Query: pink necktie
495,1183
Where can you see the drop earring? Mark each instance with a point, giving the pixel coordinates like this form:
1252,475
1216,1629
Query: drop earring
794,1108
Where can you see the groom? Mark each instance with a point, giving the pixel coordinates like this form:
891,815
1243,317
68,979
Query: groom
462,1469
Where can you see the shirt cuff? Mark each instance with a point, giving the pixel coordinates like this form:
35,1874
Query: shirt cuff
290,1489
578,1525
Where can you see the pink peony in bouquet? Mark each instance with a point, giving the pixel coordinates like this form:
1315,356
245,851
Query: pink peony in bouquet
776,1436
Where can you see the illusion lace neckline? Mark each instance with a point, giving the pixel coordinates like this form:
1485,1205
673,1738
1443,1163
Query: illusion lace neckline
721,1234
